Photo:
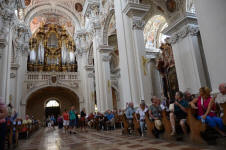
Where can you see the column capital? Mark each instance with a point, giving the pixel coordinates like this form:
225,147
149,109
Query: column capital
138,23
3,43
105,49
135,8
89,68
91,8
82,39
183,27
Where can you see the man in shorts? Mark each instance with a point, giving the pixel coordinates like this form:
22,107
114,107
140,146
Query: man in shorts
65,120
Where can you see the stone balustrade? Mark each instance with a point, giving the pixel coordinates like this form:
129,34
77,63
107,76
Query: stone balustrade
42,76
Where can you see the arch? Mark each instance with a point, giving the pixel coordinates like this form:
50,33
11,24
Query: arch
152,31
51,99
35,10
106,26
36,102
24,100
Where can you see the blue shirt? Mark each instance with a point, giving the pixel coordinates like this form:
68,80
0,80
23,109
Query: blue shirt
129,113
110,116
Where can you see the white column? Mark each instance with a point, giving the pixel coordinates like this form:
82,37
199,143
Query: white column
212,21
105,81
187,53
5,68
144,84
129,24
90,89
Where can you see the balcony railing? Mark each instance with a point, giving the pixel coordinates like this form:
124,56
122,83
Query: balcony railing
42,76
133,1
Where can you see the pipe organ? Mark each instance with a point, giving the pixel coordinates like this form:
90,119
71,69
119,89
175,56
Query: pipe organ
52,49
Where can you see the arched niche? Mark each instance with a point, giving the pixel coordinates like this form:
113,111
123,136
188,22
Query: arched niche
39,9
153,36
37,100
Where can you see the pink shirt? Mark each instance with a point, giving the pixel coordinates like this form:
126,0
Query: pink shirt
2,106
203,109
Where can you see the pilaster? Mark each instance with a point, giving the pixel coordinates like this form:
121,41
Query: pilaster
187,50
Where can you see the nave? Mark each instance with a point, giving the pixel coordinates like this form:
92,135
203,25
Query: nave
49,139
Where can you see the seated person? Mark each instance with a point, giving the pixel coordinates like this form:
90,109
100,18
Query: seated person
111,119
129,114
221,98
155,115
207,110
179,113
141,111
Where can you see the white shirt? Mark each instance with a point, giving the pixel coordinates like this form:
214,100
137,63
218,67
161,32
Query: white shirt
220,99
141,113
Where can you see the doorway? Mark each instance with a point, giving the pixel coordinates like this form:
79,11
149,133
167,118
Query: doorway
52,107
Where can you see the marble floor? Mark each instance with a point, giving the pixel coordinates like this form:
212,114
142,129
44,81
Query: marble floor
48,139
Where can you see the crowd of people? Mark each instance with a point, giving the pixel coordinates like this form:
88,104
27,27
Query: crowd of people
8,117
205,104
208,109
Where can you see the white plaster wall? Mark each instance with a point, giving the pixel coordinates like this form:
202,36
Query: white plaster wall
188,63
212,21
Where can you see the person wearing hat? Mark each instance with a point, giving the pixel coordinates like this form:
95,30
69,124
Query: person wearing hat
141,111
155,115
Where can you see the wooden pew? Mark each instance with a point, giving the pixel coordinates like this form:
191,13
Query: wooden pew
196,127
9,136
150,125
167,125
125,130
224,110
136,124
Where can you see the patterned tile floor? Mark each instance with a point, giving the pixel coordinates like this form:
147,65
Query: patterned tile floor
48,139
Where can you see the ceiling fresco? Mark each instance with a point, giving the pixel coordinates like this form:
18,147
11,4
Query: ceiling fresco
50,18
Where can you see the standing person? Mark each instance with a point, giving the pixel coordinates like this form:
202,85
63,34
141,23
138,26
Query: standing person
48,122
72,118
129,115
52,119
83,119
141,111
60,121
66,120
3,115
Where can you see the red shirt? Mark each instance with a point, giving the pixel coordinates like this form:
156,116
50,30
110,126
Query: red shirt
203,108
66,116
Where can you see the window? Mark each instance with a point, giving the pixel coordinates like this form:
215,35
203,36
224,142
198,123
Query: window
52,103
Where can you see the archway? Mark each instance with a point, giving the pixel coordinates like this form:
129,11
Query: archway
37,101
52,107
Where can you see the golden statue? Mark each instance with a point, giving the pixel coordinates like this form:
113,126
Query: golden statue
144,63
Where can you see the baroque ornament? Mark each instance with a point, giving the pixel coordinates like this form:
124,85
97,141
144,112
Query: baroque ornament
192,30
138,24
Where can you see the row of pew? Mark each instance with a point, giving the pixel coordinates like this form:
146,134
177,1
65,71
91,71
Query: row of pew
17,131
196,127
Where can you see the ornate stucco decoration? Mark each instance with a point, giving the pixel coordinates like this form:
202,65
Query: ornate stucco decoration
106,58
134,8
138,24
7,15
181,28
82,41
21,38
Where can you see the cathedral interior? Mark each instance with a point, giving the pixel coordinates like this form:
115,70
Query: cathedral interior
103,55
